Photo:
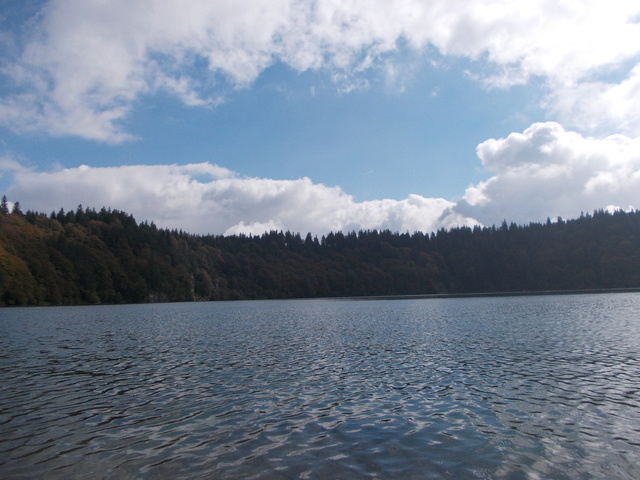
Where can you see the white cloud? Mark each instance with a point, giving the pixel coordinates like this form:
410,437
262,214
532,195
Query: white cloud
87,62
84,65
9,165
599,106
204,198
547,171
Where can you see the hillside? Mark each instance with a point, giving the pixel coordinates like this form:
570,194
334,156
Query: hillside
92,257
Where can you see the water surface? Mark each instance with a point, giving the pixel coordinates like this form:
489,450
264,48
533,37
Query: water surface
516,387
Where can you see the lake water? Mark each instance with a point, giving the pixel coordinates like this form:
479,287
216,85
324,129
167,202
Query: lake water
515,387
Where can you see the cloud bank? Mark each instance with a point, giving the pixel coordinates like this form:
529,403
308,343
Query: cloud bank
83,65
545,171
204,198
548,171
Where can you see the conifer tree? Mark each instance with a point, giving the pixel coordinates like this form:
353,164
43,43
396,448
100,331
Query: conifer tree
4,207
17,209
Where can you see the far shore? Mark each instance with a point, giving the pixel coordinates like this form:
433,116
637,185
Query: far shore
497,294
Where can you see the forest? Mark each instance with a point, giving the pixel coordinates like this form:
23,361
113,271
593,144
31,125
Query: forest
106,257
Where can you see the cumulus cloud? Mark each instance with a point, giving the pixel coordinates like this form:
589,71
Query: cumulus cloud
86,63
597,106
79,68
545,171
549,171
205,198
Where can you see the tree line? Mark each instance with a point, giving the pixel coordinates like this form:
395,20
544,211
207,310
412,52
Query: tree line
93,257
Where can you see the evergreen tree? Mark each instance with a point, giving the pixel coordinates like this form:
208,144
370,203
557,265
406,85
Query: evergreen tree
85,257
17,210
4,207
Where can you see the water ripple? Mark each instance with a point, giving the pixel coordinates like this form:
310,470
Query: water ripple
529,387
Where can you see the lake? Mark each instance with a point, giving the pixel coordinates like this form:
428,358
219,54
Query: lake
501,387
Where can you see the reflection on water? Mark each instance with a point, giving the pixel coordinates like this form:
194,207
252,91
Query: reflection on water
518,387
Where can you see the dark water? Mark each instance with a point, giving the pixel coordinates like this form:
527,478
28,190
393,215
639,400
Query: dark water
520,387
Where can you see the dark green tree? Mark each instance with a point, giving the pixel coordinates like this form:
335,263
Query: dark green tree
17,209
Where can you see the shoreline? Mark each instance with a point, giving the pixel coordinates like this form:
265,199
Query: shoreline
424,296
531,293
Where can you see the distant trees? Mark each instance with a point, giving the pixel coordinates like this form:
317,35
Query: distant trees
87,256
17,210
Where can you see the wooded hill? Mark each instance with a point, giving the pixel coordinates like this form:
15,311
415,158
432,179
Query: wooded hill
91,257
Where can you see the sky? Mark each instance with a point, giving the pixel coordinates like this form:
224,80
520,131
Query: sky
226,117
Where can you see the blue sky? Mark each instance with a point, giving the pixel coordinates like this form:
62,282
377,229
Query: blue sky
318,116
